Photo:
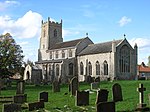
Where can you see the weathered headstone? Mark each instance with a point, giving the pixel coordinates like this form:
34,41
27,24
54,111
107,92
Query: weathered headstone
36,105
56,86
102,96
20,87
95,85
97,79
11,107
117,92
141,106
74,85
20,98
82,98
44,96
89,79
105,107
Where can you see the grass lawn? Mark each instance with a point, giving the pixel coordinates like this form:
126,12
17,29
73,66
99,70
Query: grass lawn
60,102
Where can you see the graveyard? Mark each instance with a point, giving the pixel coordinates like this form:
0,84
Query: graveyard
62,100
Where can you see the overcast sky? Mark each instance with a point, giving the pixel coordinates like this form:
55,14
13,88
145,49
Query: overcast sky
103,20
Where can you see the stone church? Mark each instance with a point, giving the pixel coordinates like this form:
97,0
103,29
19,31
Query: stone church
59,60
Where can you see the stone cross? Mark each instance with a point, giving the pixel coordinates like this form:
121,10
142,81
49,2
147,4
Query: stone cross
141,106
141,90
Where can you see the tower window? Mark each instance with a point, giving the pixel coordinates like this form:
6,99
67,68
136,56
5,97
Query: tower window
55,33
44,33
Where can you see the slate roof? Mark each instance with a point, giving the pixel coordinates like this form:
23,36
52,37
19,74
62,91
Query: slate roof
66,44
99,48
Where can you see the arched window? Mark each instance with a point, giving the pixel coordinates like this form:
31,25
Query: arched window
71,69
81,68
90,68
124,61
51,55
63,54
105,68
28,75
70,53
57,70
50,70
55,33
97,68
56,54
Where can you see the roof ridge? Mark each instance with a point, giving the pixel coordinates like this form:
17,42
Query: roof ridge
71,40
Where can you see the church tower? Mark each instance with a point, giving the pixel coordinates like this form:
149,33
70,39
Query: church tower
51,33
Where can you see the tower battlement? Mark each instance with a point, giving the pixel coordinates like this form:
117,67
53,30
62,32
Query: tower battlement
51,22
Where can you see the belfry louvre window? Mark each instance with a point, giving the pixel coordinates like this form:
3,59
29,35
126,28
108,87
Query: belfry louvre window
55,33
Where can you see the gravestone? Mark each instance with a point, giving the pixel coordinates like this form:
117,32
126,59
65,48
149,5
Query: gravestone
74,85
117,92
20,87
105,107
97,79
56,86
44,96
11,107
82,98
35,105
102,96
20,98
90,79
95,85
141,90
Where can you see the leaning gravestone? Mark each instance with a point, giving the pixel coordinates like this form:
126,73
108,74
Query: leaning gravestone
74,85
102,96
20,98
36,105
11,107
117,92
56,86
82,98
105,107
44,96
20,87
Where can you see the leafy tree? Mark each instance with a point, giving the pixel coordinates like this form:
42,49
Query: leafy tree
11,58
148,61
